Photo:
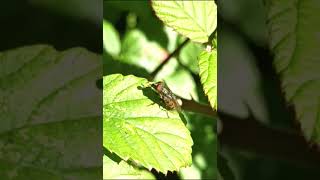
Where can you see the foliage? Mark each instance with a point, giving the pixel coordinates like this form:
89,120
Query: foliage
138,127
208,73
194,19
40,138
277,40
113,170
296,51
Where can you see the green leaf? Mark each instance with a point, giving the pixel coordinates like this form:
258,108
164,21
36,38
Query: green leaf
204,152
136,127
142,11
294,31
40,137
208,74
188,56
194,19
137,50
179,80
113,170
111,40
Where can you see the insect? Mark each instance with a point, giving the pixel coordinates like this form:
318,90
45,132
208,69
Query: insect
169,99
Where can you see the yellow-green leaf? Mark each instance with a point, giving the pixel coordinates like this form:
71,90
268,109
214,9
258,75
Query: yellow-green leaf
136,127
208,75
194,19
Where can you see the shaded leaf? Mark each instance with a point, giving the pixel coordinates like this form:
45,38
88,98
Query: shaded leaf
294,31
49,131
188,56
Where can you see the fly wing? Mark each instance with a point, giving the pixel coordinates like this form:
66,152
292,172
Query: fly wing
167,95
173,98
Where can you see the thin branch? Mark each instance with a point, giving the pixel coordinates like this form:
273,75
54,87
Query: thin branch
190,105
251,135
166,60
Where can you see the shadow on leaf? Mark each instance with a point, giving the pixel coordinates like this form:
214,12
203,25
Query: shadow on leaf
111,155
152,95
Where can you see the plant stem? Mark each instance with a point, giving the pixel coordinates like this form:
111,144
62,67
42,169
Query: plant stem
253,136
190,105
166,60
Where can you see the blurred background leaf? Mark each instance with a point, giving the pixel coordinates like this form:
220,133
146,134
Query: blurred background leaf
294,34
111,39
41,137
205,147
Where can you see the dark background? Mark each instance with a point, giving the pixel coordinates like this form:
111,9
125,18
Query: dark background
30,22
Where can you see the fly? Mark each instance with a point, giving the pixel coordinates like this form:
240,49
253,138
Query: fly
169,99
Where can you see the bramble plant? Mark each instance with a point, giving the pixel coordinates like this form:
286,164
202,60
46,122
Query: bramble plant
156,53
141,122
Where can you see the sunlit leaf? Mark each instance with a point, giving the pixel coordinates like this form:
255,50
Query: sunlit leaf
111,40
208,75
113,170
138,50
194,19
137,127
